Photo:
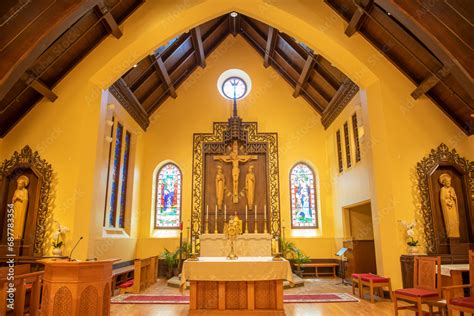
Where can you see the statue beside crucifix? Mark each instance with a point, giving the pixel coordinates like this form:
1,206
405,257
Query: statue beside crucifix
234,158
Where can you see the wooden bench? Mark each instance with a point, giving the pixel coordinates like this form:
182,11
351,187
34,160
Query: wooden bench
138,277
122,276
316,266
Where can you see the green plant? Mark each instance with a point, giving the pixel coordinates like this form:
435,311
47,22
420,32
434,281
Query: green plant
184,250
171,258
288,249
300,258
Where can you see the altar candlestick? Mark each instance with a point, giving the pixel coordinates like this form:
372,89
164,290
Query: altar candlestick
246,220
255,229
193,246
215,222
265,219
225,212
207,219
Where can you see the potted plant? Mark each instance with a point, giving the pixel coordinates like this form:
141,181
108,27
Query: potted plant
300,258
57,239
171,259
412,243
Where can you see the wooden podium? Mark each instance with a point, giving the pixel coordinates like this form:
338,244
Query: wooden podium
76,287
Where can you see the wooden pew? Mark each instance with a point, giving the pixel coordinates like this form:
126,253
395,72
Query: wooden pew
145,275
25,281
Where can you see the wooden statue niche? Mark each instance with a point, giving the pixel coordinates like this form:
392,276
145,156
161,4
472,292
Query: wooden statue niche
25,184
446,186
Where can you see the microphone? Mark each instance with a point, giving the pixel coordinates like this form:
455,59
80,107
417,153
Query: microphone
77,243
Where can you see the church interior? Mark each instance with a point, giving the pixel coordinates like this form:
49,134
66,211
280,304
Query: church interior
224,157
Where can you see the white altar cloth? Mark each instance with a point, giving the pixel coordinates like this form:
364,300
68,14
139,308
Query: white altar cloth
217,245
447,268
242,269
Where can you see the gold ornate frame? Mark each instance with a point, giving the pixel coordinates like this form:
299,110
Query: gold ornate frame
205,142
26,158
440,156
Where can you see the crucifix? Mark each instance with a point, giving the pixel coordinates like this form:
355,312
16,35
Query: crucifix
234,158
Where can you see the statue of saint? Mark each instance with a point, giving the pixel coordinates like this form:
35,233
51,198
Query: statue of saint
449,205
235,159
20,205
220,186
250,187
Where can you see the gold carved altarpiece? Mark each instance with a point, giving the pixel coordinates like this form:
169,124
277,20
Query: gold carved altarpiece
260,151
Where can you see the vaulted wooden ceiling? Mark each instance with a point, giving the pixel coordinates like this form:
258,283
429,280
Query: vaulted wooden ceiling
430,42
143,88
42,40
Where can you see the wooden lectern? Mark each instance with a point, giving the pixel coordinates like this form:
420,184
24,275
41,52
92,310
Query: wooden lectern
76,287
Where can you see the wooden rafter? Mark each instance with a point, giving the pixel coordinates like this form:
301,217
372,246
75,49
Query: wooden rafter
39,86
429,83
271,41
166,78
304,76
234,24
196,38
355,22
109,20
129,101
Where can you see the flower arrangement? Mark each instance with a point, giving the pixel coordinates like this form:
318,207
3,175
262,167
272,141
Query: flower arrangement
57,240
410,231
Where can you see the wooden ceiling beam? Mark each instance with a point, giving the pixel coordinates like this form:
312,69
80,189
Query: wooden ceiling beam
124,95
166,78
271,41
304,76
355,22
429,83
39,86
234,24
196,39
108,20
338,102
433,38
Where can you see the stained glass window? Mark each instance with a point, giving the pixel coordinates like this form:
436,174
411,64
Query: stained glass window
303,197
168,197
117,176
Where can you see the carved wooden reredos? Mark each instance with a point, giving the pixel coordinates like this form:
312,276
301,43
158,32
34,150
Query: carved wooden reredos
39,172
251,142
442,160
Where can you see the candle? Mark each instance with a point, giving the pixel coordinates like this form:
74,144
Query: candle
207,213
265,213
181,226
246,213
216,214
193,246
225,212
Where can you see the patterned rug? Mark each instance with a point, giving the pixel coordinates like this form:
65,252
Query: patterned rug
184,299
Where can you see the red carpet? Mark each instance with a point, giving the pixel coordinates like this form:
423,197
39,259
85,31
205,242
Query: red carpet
184,299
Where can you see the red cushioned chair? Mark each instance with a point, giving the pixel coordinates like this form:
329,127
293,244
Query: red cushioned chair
373,281
462,304
356,281
427,286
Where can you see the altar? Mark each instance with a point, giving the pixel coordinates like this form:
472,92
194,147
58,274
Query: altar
217,245
250,285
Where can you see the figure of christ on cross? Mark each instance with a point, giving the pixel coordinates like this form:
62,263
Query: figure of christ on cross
235,159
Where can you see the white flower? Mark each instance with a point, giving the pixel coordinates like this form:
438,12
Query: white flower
55,235
410,232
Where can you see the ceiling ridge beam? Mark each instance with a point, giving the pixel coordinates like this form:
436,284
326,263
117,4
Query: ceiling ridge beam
108,19
304,76
270,47
429,82
39,86
196,38
166,77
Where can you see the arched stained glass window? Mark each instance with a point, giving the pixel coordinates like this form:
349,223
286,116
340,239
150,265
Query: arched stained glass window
168,197
303,197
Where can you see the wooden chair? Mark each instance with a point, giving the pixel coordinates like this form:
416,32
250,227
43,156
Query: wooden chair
427,286
461,304
356,282
373,282
24,282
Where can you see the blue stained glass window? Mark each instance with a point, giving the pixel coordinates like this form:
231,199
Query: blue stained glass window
115,175
168,197
303,197
123,181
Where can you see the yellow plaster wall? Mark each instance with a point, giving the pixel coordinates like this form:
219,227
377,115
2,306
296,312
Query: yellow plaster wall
399,131
270,103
